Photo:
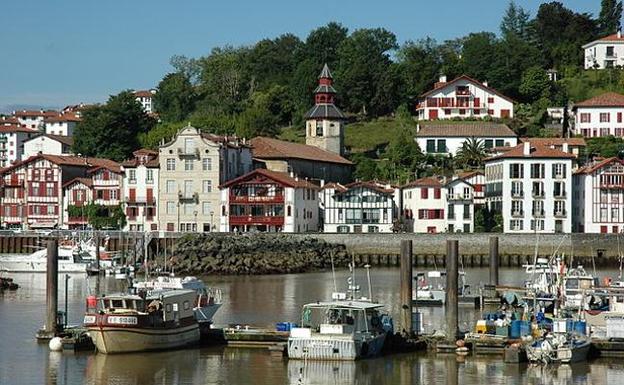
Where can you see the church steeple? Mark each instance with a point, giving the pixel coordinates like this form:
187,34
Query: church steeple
324,126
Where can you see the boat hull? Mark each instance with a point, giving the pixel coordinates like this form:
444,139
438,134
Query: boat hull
576,354
337,348
108,339
206,313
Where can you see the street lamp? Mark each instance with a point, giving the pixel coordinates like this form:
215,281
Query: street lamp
195,215
212,226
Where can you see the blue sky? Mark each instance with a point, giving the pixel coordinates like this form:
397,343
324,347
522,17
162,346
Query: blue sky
70,51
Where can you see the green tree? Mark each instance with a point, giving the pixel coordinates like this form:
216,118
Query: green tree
515,22
273,62
479,55
175,97
606,146
471,154
610,19
535,83
419,67
161,132
365,167
112,130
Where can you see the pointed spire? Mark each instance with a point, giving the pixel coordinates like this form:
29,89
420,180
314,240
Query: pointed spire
325,73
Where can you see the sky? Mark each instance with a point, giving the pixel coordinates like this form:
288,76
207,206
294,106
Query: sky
64,52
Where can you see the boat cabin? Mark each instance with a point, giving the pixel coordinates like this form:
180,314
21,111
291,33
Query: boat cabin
342,317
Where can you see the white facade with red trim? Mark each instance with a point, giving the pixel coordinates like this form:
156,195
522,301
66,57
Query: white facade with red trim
424,206
593,122
140,191
463,97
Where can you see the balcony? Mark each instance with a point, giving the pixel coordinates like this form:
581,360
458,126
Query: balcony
517,194
560,213
188,197
517,213
462,92
561,195
14,183
538,195
141,200
256,220
539,214
256,199
188,152
458,197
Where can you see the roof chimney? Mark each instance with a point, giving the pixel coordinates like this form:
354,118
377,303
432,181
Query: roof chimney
566,147
442,79
485,83
526,150
619,34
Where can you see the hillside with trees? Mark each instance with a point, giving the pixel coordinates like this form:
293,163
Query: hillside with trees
265,88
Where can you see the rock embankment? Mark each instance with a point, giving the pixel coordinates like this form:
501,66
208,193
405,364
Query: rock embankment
254,254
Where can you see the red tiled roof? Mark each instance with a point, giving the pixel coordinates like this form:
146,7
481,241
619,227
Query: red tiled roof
556,141
143,93
613,37
474,81
429,181
64,117
467,129
68,160
267,148
85,181
145,151
36,113
67,140
608,99
279,177
536,151
16,128
377,186
598,165
9,120
469,174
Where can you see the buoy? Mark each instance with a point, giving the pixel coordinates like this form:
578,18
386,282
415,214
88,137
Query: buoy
463,351
56,344
460,343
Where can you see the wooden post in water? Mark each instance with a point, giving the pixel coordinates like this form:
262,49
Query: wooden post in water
494,261
49,329
406,287
452,253
97,251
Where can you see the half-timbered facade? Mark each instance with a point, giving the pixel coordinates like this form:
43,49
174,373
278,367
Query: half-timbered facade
460,206
269,201
33,193
599,197
77,193
359,207
140,190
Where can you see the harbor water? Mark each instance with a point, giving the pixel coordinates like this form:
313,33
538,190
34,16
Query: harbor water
262,301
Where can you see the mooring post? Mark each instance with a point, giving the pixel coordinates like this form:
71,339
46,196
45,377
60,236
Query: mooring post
406,287
49,329
452,252
494,261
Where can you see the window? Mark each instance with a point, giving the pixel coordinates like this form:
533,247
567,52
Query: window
319,128
516,208
538,208
559,170
604,117
207,164
560,208
373,229
538,189
436,193
516,170
189,209
431,146
99,194
149,176
171,164
451,212
206,186
189,145
604,215
424,193
516,224
113,194
559,190
206,208
500,142
489,143
171,208
188,188
538,171
170,187
517,189
50,190
466,228
441,146
585,117
537,225
615,214
343,229
490,100
132,176
188,164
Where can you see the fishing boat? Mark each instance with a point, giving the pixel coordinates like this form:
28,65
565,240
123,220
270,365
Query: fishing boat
558,348
122,323
430,290
206,304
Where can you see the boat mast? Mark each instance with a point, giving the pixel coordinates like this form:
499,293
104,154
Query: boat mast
370,287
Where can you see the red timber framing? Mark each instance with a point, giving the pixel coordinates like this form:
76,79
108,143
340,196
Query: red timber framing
258,200
608,194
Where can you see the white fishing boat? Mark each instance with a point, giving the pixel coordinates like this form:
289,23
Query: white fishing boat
208,300
131,323
558,348
431,290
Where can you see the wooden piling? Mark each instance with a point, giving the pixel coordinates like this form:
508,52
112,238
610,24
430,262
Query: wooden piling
494,261
49,329
97,250
406,287
451,308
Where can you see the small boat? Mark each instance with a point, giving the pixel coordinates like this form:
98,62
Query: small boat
122,323
431,290
341,329
562,348
208,300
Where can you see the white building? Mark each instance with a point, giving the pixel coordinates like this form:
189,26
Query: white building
192,167
477,180
359,207
63,124
601,115
460,206
463,97
34,119
606,52
12,138
424,206
444,138
140,190
575,146
531,186
145,98
269,201
598,197
48,144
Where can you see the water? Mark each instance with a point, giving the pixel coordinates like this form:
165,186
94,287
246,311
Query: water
262,301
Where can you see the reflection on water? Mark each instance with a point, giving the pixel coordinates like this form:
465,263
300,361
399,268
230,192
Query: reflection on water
260,300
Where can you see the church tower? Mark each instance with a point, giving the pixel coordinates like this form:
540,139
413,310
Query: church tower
324,121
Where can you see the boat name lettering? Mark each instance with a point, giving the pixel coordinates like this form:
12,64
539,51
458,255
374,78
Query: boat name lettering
122,320
89,319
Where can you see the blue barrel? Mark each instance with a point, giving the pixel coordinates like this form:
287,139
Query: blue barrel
525,328
580,327
569,325
516,329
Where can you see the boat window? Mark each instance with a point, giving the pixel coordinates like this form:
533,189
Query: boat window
187,305
572,283
105,303
585,284
140,306
117,303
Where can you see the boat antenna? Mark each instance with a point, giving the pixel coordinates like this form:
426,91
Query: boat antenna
370,286
331,256
352,277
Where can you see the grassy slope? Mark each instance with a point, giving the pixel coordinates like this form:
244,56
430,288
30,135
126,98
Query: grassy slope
360,136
